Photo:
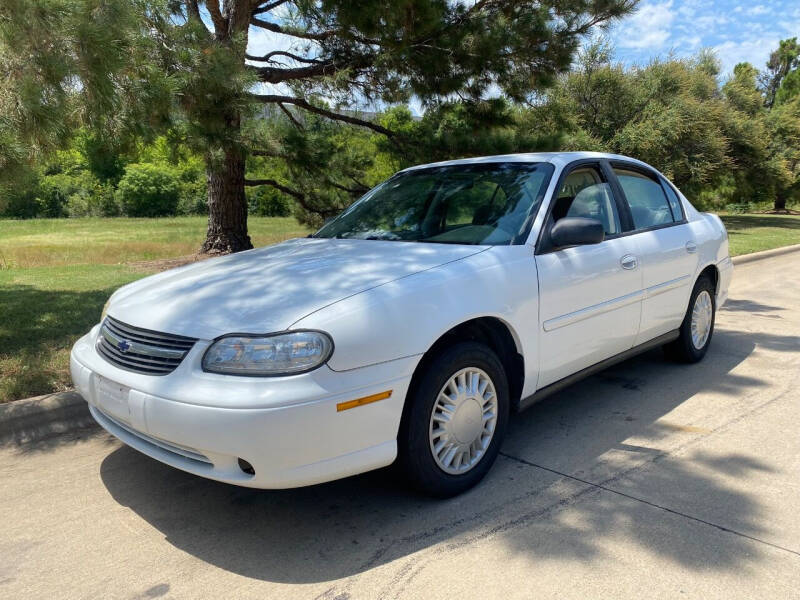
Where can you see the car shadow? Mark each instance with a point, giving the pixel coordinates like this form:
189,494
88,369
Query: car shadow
340,529
749,306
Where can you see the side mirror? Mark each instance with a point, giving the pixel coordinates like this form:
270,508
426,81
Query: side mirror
576,231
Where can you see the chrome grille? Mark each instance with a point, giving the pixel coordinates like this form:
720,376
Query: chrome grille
141,350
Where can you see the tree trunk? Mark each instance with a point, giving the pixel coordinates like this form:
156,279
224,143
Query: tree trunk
227,204
780,203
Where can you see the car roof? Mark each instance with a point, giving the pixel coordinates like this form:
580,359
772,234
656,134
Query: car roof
558,159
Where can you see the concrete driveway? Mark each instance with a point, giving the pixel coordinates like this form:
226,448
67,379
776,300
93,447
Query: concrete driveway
649,480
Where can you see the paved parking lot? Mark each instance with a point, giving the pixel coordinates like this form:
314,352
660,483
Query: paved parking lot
648,480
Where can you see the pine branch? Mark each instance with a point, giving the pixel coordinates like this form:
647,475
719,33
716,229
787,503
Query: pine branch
276,75
270,153
274,27
359,184
299,197
349,190
193,9
290,116
220,23
310,35
268,57
193,13
475,8
279,186
304,104
267,7
359,189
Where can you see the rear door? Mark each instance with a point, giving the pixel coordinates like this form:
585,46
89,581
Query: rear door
589,296
665,245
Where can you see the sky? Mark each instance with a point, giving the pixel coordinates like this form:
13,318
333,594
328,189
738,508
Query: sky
736,30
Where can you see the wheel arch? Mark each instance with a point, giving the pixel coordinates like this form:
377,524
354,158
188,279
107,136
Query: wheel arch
712,273
495,333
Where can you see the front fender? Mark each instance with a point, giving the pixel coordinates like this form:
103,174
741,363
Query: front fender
405,317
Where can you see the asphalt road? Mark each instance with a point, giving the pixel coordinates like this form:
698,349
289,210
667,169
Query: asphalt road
649,480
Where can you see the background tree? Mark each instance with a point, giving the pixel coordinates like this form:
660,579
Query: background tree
668,113
784,129
137,67
771,167
753,176
781,89
782,61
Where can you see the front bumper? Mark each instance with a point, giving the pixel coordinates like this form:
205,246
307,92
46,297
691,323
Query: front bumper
287,428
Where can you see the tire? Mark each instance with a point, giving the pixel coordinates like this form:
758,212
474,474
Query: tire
420,432
685,349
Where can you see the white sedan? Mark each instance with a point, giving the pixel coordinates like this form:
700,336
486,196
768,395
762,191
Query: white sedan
411,327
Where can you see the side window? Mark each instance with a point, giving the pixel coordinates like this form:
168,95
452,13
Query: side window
674,203
649,206
584,194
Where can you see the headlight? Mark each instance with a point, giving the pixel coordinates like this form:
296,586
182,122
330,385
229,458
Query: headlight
275,354
105,310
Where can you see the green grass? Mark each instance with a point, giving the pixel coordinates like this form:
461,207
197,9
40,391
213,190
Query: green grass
44,310
53,242
56,274
753,233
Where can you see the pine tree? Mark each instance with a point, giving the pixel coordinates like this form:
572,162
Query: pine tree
132,68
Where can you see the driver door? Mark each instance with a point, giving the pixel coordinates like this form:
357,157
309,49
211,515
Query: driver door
590,297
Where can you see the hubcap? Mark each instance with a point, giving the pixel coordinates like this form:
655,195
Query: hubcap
463,421
702,315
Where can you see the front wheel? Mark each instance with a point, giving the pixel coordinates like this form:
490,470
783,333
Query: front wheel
698,325
455,422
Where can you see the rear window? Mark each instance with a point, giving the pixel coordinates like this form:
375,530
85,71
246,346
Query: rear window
646,198
674,203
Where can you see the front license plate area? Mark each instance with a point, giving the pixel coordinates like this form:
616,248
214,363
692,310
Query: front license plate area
112,398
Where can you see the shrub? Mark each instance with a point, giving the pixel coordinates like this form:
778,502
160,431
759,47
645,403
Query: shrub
18,198
95,201
193,195
267,202
20,204
148,191
78,195
54,193
739,208
193,198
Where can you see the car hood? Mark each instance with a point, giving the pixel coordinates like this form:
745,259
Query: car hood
269,289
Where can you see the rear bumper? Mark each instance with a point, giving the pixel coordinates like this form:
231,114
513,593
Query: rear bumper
302,442
725,270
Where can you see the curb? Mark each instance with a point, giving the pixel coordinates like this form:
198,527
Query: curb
755,256
35,419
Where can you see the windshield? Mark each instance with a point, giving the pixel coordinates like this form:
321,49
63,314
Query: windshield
490,204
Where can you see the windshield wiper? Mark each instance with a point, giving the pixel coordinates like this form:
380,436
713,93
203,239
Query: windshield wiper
449,242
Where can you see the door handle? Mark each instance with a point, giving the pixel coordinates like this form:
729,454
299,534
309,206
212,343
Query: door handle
691,247
629,262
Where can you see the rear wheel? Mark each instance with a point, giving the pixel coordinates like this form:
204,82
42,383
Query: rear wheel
698,325
455,422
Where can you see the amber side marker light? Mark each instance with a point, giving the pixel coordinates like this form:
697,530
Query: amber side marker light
362,401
